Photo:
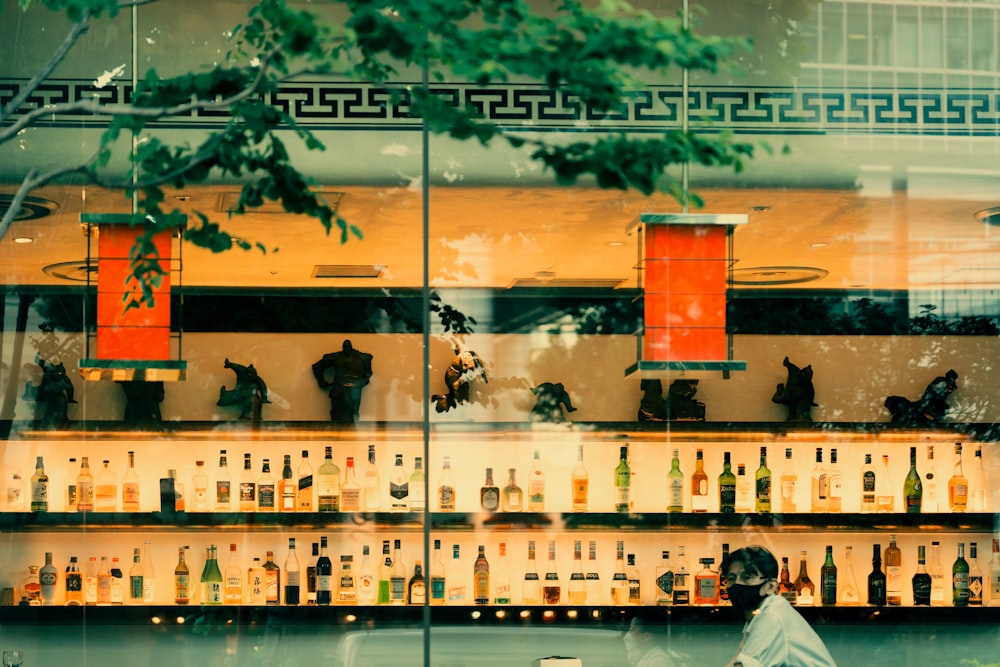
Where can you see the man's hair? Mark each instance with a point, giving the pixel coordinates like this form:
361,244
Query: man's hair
755,560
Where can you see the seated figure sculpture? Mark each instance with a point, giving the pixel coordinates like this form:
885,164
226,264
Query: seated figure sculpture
458,377
52,395
797,392
249,394
930,408
346,373
552,398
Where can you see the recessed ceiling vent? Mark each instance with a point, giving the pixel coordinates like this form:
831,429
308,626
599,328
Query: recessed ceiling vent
32,208
348,271
228,200
568,283
777,275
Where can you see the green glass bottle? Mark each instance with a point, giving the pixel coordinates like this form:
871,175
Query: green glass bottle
727,487
913,490
675,485
763,476
828,580
623,483
960,579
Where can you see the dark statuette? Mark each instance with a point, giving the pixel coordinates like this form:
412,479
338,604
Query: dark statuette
249,394
345,373
678,405
552,398
929,409
52,395
465,368
797,393
142,401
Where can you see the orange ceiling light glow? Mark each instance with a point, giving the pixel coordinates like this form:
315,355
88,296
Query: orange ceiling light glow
686,261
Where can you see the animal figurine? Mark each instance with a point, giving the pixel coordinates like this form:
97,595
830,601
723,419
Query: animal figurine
351,371
52,395
552,398
930,408
142,401
652,406
678,405
249,394
797,393
465,368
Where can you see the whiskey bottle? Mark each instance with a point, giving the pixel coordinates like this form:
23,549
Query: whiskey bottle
418,486
106,489
304,502
265,489
135,577
366,582
960,579
211,580
438,575
868,485
727,486
664,581
921,580
885,496
706,584
500,578
789,485
786,588
292,575
223,484
938,579
232,592
580,483
762,478
248,487
818,483
328,483
311,575
536,485
73,583
31,588
893,574
699,484
531,591
834,484
958,485
182,580
975,578
199,488
48,577
930,501
481,577
446,489
675,486
849,595
512,498
347,586
805,589
551,589
256,593
744,490
350,490
913,490
828,580
577,590
682,579
634,580
489,494
399,487
384,574
39,487
417,588
876,579
370,488
623,482
272,581
995,575
288,488
324,575
397,576
595,592
619,579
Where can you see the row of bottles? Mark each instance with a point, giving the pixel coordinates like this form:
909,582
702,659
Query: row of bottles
491,579
328,491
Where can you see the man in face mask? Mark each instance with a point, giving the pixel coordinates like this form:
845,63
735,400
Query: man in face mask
775,634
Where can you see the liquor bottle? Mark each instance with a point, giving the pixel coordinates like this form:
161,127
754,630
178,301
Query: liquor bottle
248,487
762,502
868,485
232,592
723,584
384,573
292,575
938,580
893,574
634,580
13,491
921,580
699,484
960,579
500,578
512,498
182,579
48,577
399,487
595,592
551,589
619,580
481,577
397,576
73,583
885,495
370,488
106,489
418,486
223,484
489,494
876,579
834,484
311,575
31,588
90,582
199,488
664,581
958,485
913,490
789,485
324,575
805,589
288,488
446,489
272,581
930,501
367,584
71,493
531,591
978,498
682,580
577,589
623,482
786,588
350,490
40,487
438,576
265,488
727,486
135,576
706,584
743,490
995,575
256,593
328,484
304,502
211,579
455,578
347,586
675,486
975,578
536,485
417,588
117,582
828,580
849,595
580,483
818,481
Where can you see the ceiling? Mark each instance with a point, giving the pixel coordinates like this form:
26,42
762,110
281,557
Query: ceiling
495,237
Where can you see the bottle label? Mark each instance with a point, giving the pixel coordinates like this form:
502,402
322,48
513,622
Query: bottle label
182,587
975,588
248,492
399,491
805,597
536,493
960,586
418,592
223,491
213,592
456,593
324,582
350,499
707,588
665,586
727,497
39,492
894,579
446,498
74,582
265,495
438,591
921,589
47,578
292,577
130,493
305,482
676,494
490,499
397,588
764,490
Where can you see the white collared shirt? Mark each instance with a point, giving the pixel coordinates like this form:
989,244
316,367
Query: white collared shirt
778,636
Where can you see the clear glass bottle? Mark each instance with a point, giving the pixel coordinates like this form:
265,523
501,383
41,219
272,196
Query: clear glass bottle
489,494
232,592
90,582
828,580
397,576
789,485
39,487
960,579
371,490
675,485
623,482
913,489
665,581
975,578
347,586
595,591
148,574
978,488
818,482
805,589
104,582
699,484
304,502
456,578
256,587
350,490
885,494
248,487
762,486
551,588
71,492
223,484
438,576
727,486
577,589
893,574
921,581
938,581
512,498
266,488
73,583
293,580
106,489
834,484
481,577
418,486
328,483
366,582
580,481
48,578
117,582
995,575
876,579
135,577
849,595
868,484
288,487
446,488
324,575
199,488
399,487
500,578
619,578
682,579
931,499
635,580
536,485
958,485
743,495
531,589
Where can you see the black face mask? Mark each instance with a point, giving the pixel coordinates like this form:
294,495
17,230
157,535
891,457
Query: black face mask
745,597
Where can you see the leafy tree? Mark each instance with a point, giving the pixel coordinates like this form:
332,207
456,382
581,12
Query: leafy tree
599,55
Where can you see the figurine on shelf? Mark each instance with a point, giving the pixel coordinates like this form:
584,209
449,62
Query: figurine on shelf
797,393
931,407
349,371
142,401
249,394
679,404
52,395
552,398
458,378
